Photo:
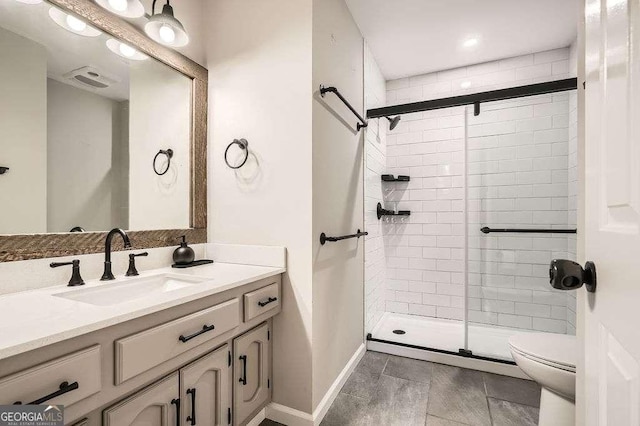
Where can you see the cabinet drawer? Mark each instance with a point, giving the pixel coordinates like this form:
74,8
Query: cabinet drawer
142,351
260,301
44,383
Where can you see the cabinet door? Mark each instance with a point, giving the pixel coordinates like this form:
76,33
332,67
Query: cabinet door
252,371
156,405
206,389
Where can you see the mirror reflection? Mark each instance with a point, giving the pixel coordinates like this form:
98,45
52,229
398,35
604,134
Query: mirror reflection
93,134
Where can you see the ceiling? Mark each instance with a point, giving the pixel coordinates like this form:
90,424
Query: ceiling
412,37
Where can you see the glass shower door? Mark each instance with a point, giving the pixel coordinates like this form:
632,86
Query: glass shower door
521,158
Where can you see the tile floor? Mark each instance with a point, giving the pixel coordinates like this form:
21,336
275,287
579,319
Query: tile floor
390,390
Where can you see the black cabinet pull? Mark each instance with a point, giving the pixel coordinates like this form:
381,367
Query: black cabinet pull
176,402
266,302
192,417
64,388
243,379
205,328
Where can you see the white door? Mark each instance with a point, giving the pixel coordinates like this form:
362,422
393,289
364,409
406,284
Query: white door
610,373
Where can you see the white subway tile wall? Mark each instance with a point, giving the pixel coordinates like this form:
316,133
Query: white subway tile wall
573,187
375,160
519,175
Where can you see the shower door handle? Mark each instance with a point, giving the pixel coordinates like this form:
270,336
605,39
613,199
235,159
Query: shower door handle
569,275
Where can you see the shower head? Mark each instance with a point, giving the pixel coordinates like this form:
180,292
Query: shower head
393,122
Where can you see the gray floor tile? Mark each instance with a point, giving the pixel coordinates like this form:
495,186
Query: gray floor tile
505,413
345,410
437,421
372,363
458,394
512,389
363,382
398,402
267,422
409,369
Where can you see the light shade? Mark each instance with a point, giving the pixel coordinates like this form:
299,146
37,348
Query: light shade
166,29
73,24
125,51
124,8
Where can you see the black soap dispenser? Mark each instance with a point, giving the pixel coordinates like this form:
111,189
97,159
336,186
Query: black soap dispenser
184,254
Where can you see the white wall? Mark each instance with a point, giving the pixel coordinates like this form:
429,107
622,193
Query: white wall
375,156
160,118
84,154
259,56
23,135
518,172
338,276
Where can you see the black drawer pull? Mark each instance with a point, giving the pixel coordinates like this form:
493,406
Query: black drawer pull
205,328
176,402
64,388
243,379
266,302
192,417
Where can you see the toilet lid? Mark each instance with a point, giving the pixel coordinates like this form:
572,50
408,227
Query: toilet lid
558,349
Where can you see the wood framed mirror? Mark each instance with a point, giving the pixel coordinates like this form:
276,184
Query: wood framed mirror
52,241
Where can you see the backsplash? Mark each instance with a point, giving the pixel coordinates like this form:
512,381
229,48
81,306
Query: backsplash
35,274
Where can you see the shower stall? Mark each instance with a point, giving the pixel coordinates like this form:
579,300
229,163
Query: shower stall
468,199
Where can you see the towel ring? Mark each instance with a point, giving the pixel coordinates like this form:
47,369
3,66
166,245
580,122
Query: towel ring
243,144
169,154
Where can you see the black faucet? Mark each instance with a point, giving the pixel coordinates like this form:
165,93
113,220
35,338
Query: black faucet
76,279
108,275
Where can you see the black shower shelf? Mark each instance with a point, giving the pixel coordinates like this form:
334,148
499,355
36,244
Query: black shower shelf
391,178
384,212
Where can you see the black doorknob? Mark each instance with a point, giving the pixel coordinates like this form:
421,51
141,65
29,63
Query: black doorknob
569,275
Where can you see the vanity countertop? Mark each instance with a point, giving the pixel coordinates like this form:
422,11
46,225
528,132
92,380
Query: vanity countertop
33,319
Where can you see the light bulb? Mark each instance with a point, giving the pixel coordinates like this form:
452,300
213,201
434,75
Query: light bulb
167,34
465,84
119,5
75,24
127,50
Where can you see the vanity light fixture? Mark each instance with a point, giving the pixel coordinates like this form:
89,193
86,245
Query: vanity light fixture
124,8
72,23
165,28
125,51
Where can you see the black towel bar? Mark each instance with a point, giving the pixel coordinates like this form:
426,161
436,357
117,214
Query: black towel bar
487,230
324,90
324,238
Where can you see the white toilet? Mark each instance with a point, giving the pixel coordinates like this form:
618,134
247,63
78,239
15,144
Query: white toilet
550,360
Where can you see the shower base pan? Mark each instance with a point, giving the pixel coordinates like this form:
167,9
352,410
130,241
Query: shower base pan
441,340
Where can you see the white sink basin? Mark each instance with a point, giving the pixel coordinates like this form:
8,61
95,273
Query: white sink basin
108,294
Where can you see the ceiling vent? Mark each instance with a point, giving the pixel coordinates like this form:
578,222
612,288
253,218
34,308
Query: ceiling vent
91,77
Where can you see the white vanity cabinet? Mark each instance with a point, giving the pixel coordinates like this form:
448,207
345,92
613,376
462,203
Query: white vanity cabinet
252,372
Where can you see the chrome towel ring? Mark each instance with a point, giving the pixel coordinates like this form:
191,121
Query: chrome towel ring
244,145
169,154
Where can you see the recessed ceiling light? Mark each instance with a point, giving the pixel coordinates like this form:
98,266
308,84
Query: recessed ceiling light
124,8
465,84
125,51
470,42
72,23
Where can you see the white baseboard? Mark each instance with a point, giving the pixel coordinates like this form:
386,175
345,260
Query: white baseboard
457,361
292,417
258,418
